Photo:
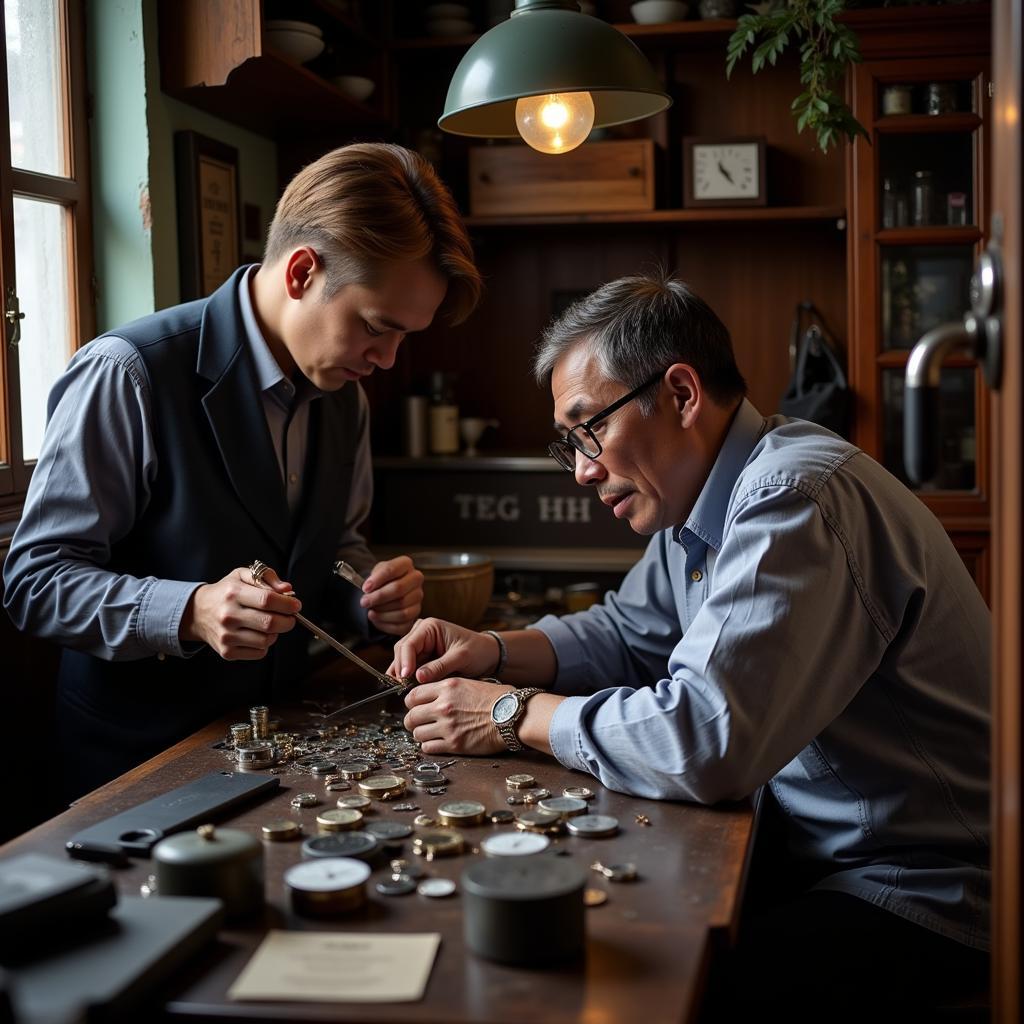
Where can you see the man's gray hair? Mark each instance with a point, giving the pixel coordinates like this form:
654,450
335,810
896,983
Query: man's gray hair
636,326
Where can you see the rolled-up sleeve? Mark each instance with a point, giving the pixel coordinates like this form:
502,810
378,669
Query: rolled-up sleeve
91,482
745,688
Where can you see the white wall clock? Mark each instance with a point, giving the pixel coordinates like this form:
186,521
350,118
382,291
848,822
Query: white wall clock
724,171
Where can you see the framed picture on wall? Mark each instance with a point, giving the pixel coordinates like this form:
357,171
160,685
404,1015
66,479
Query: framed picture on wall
209,237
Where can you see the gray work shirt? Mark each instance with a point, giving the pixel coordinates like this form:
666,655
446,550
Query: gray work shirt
810,627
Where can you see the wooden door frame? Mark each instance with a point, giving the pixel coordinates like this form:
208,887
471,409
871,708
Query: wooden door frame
1008,549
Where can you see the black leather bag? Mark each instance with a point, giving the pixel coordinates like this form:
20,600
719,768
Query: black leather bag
817,390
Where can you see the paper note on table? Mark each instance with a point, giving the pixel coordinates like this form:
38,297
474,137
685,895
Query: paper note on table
338,967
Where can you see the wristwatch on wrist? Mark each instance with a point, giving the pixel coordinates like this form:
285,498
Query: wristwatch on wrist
507,711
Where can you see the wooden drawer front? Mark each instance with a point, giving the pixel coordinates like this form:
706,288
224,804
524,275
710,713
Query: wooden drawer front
598,177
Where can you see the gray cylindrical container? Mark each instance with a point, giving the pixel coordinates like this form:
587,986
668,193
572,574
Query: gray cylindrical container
224,862
524,910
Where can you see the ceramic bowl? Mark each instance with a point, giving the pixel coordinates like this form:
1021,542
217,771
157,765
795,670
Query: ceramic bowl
300,46
355,87
457,585
449,27
446,11
293,26
656,12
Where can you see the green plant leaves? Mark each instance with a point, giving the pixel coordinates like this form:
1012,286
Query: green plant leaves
826,47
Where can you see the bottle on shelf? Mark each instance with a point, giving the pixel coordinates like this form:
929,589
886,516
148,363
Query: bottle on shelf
894,205
923,199
444,414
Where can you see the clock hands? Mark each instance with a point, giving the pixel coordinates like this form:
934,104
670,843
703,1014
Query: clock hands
725,173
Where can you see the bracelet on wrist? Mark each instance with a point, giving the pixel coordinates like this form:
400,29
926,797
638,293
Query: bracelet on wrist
502,652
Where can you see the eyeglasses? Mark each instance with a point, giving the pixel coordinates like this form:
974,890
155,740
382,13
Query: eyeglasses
582,439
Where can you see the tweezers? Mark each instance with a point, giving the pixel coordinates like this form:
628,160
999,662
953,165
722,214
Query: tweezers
258,568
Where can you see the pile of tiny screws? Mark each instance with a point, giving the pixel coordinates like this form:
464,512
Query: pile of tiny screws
336,755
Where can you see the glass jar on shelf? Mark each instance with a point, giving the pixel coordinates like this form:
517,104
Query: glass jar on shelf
922,199
940,98
956,208
894,205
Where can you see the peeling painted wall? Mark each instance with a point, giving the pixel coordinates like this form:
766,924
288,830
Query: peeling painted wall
132,137
120,162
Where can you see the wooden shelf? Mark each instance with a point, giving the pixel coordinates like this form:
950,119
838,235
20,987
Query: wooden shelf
671,33
492,462
939,234
537,559
273,95
927,124
718,215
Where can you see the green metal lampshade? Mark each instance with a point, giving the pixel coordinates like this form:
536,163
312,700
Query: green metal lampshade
547,46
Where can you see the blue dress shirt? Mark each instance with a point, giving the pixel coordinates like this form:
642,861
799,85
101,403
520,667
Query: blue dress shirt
810,627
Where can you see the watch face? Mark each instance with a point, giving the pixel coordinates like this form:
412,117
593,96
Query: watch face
504,709
726,170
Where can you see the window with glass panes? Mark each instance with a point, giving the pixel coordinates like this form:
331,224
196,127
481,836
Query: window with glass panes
45,236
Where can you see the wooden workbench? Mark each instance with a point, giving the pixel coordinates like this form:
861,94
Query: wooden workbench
648,947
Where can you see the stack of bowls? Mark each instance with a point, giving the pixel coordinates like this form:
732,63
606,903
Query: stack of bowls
448,20
300,40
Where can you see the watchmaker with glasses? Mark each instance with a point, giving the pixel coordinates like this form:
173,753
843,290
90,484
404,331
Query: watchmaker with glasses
764,637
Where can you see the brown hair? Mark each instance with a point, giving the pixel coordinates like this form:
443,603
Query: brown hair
368,204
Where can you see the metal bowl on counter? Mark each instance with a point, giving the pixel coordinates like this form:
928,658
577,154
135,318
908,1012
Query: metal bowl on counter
457,585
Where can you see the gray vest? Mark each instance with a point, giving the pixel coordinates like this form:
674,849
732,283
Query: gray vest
217,502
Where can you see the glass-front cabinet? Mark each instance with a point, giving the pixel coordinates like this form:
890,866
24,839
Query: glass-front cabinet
918,216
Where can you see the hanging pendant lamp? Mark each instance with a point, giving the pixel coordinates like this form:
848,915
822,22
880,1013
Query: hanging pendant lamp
550,74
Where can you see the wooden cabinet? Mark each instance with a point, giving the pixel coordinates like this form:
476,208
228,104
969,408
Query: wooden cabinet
216,55
752,264
918,205
885,279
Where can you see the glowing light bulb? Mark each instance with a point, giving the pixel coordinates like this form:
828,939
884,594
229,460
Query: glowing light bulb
557,122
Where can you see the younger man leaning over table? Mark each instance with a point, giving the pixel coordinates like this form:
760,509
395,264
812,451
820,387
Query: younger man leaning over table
184,445
799,621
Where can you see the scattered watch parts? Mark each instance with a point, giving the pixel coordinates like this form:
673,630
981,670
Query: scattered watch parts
396,885
520,781
360,845
579,792
593,826
382,787
616,872
327,887
389,831
461,812
439,843
436,888
281,830
514,844
339,819
564,806
354,801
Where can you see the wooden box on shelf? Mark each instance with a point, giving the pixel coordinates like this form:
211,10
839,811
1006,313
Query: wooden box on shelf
596,178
